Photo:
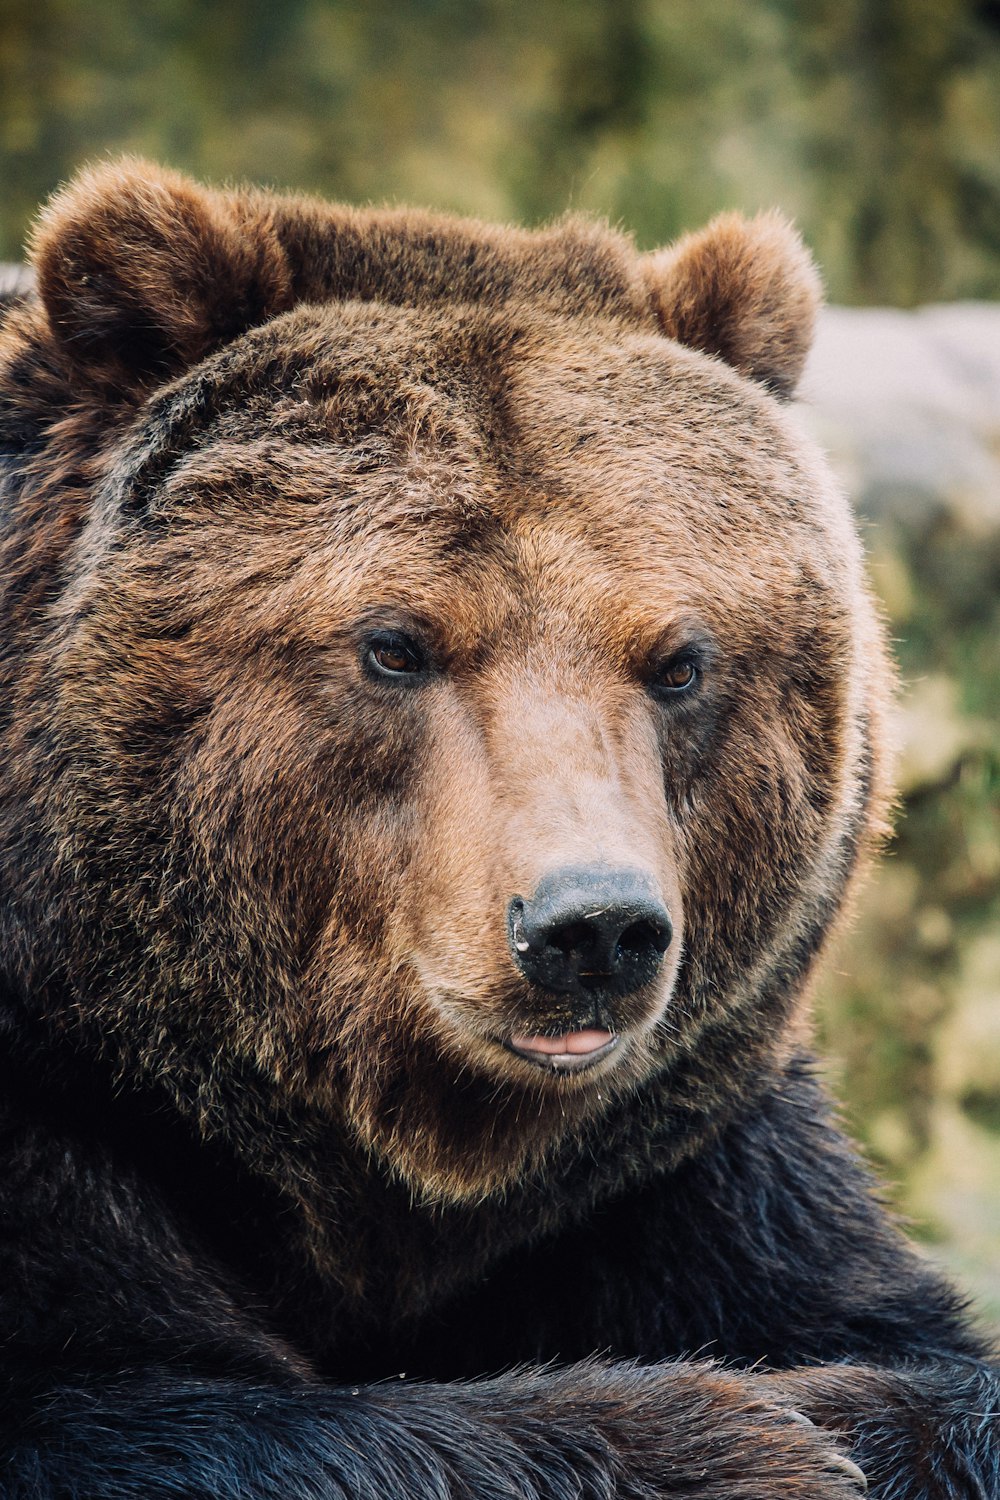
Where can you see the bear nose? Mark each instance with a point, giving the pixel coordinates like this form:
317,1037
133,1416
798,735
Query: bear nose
590,929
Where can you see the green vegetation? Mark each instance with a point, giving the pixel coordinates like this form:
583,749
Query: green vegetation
873,122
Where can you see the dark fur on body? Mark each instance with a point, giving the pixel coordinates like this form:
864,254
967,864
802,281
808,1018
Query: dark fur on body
262,1150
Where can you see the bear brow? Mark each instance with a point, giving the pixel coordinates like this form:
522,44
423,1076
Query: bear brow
176,419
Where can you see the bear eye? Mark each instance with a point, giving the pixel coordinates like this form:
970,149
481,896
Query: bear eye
675,677
389,653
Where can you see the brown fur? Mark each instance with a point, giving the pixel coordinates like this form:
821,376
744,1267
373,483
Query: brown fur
483,431
747,292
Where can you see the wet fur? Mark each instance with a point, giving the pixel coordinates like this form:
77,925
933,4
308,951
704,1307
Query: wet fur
262,1148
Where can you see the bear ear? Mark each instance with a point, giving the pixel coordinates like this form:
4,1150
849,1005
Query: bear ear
744,289
142,273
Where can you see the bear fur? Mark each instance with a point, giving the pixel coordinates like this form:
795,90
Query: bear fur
358,570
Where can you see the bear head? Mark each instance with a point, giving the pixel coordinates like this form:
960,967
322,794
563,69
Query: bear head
441,688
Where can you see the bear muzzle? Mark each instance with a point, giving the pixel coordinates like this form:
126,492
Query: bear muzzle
592,935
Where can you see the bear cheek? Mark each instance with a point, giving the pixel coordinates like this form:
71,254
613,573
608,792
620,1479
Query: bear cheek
306,816
761,828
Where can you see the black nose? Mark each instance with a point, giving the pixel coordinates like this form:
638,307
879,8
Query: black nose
586,930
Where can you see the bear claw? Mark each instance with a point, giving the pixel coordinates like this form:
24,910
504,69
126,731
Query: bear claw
837,1461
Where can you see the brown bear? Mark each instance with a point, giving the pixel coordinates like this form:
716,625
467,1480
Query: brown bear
441,720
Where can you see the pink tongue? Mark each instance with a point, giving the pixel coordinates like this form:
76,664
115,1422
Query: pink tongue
574,1042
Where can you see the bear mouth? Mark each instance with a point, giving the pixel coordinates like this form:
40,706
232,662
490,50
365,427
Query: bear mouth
573,1052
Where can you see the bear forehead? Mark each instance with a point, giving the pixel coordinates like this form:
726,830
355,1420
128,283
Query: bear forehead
473,416
436,448
471,468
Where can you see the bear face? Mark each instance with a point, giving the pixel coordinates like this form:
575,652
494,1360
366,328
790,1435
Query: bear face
384,619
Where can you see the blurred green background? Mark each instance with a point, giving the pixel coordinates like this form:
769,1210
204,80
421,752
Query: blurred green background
876,124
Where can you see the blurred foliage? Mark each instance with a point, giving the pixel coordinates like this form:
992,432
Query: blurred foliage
873,122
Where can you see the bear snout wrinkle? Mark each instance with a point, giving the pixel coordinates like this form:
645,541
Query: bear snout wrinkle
588,931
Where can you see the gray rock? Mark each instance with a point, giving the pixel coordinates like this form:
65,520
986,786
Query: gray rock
15,281
908,406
